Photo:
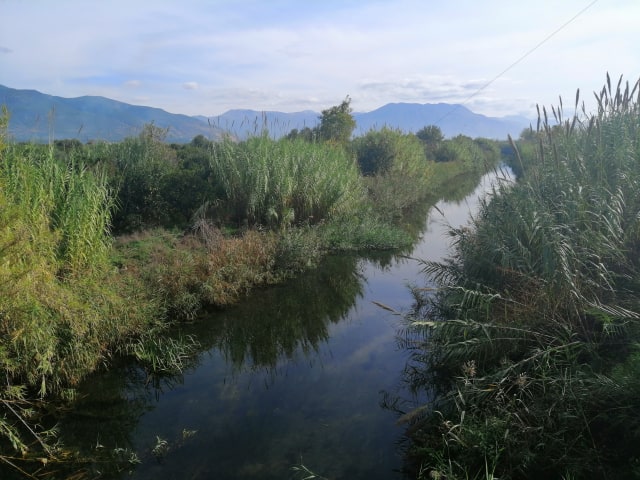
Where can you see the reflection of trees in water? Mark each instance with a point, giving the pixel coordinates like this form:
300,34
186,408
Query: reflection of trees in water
414,221
271,324
100,424
275,323
460,187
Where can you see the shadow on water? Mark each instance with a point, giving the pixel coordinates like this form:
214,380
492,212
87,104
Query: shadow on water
292,374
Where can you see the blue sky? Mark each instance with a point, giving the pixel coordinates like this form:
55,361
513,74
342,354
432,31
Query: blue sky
206,57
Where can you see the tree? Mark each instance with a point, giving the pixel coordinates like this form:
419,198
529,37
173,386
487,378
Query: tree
200,141
431,137
337,123
307,134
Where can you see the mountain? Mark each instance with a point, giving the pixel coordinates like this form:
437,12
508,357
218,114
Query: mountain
35,116
409,117
244,123
452,119
38,117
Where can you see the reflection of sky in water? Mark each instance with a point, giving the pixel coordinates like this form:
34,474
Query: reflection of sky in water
390,285
321,406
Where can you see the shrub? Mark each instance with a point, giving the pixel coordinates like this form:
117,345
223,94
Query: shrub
387,150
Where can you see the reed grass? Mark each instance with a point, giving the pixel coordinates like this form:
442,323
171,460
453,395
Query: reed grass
285,182
62,303
536,316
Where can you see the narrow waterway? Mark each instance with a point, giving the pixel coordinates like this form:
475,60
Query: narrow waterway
293,375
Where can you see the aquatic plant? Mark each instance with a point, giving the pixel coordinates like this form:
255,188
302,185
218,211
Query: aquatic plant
523,347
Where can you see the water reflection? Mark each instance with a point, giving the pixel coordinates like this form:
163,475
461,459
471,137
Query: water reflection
242,349
277,322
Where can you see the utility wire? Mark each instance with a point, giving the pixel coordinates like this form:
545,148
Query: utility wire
529,52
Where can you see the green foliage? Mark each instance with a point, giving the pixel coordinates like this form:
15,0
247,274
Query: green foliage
307,134
397,173
141,166
54,228
464,149
285,182
431,137
525,349
67,200
337,123
63,306
387,150
366,232
156,184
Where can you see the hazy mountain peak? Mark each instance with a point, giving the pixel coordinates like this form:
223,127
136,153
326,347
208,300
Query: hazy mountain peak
35,116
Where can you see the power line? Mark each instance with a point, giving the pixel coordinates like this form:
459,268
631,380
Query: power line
529,52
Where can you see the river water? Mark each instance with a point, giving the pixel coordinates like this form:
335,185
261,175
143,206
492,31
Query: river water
295,374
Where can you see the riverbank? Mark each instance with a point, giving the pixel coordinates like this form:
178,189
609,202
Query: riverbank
528,353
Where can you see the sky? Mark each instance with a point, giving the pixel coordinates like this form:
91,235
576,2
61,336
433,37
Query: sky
199,57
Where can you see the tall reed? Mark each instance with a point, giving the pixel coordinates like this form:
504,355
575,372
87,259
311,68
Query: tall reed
537,312
285,182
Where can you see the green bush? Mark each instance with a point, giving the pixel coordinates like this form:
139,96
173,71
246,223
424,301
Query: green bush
388,150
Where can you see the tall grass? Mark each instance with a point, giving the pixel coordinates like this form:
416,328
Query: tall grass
536,314
285,182
62,304
75,203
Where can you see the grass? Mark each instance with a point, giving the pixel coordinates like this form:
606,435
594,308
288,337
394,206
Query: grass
526,351
62,304
286,182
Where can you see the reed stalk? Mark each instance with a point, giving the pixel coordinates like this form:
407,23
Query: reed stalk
536,316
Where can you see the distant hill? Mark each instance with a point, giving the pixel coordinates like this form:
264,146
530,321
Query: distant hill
38,117
244,123
409,117
451,118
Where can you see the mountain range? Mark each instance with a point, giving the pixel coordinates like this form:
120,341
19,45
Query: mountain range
452,119
39,117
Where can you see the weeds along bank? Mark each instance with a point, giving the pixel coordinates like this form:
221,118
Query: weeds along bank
103,246
529,351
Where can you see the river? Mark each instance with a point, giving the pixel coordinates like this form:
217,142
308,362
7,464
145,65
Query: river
295,374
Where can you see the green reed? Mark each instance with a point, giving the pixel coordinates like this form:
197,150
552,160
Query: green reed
285,182
536,312
62,304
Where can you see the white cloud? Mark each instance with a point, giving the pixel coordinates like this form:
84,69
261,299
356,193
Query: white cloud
293,55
